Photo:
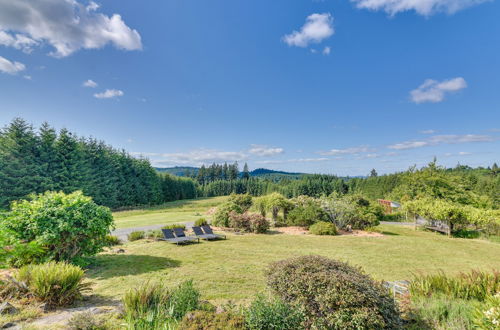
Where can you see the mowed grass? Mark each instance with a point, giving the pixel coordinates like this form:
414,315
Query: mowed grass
233,269
172,212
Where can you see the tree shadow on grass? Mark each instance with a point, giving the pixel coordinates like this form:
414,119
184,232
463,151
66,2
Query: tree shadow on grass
113,265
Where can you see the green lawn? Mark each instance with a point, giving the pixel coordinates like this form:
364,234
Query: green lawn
233,269
172,212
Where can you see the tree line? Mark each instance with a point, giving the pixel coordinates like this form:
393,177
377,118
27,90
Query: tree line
35,161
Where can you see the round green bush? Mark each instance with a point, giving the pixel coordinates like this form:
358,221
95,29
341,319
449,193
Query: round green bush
68,227
221,216
323,228
203,320
175,225
55,283
332,294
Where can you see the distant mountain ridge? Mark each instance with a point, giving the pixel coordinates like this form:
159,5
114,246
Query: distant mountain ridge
259,172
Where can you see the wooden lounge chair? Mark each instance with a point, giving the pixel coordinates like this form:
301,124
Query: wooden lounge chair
179,233
209,231
169,236
199,233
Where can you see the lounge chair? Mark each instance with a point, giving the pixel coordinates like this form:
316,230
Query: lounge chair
179,233
199,233
209,231
170,237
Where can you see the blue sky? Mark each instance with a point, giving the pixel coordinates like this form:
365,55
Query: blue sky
333,86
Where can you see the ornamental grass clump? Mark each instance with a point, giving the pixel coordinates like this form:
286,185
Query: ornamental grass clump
54,283
473,285
136,235
333,294
154,306
273,313
323,228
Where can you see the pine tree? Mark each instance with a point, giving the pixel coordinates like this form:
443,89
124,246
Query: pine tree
373,173
246,173
494,169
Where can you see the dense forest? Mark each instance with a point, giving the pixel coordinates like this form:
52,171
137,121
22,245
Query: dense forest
35,161
38,160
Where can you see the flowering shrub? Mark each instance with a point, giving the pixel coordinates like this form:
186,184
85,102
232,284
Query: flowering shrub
249,222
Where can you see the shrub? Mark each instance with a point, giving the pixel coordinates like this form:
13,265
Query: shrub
86,321
55,283
306,212
221,216
351,211
203,320
175,225
154,234
244,201
249,222
488,316
136,235
323,228
474,285
113,240
68,227
200,222
333,294
272,314
464,233
153,306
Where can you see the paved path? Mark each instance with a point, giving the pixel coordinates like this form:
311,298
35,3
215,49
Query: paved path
123,232
396,223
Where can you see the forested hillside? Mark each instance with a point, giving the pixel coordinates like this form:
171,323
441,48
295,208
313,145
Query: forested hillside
34,161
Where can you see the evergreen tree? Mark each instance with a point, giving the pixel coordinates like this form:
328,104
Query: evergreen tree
373,173
246,173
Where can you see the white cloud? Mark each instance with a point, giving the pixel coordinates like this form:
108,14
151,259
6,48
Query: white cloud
89,83
28,77
464,153
422,7
317,28
327,50
109,93
442,139
298,160
66,25
9,67
428,131
347,151
260,150
435,91
197,157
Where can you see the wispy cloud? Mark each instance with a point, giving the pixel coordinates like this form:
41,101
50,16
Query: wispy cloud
10,67
327,50
196,157
441,139
67,26
109,94
347,151
422,7
89,83
261,150
434,91
296,160
317,28
427,131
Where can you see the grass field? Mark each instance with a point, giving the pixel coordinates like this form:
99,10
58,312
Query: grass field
172,212
233,269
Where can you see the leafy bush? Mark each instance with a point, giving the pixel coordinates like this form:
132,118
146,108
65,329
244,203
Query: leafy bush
153,306
136,235
154,234
249,222
175,225
474,285
394,217
113,240
201,222
86,321
221,216
272,314
244,201
204,320
464,233
323,228
488,316
333,294
306,215
55,283
68,227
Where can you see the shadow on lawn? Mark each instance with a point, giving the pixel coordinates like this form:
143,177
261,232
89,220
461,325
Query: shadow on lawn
112,265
